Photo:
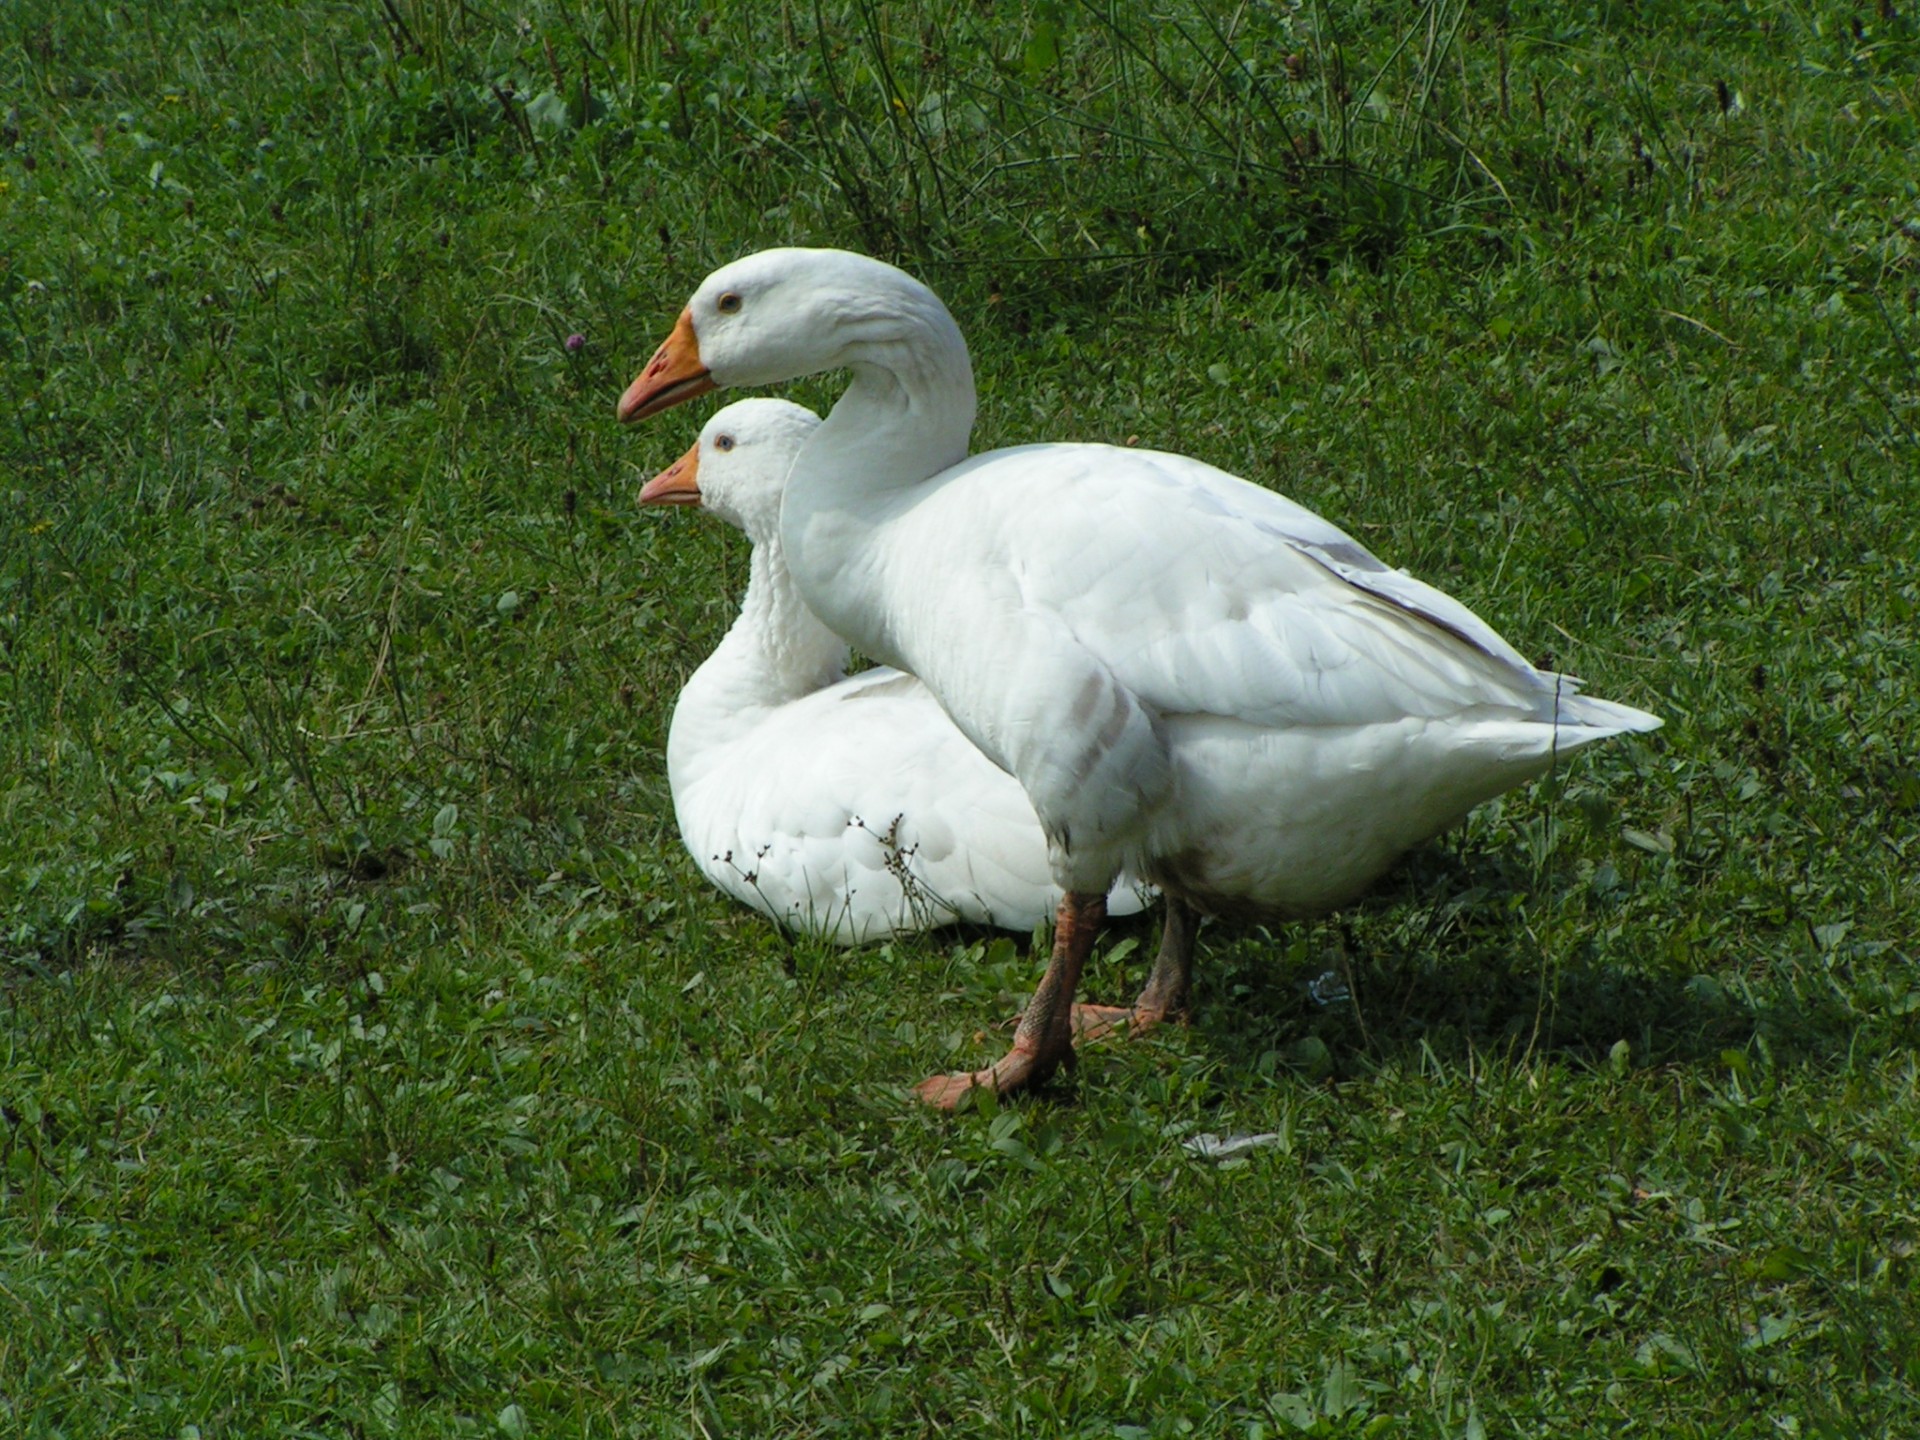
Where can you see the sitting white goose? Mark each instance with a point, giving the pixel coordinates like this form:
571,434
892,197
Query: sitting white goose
845,808
1187,673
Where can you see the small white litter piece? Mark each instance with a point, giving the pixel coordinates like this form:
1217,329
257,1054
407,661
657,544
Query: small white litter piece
1228,1147
1328,988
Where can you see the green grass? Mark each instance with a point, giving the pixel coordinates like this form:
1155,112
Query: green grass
374,1061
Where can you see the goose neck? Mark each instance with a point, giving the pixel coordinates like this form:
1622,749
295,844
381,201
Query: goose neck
909,411
775,653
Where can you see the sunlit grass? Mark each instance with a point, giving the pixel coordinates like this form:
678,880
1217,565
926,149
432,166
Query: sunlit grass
375,1063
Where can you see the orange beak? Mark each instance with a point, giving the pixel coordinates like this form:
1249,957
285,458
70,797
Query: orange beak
674,374
678,484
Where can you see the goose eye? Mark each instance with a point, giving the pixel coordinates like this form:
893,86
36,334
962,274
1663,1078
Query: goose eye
723,442
729,303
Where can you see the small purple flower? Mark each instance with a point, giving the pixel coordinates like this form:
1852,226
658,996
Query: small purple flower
576,342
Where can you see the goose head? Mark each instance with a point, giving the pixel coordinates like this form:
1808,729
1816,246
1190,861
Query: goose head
781,314
738,467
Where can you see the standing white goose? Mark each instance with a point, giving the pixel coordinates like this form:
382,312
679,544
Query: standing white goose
1187,673
845,808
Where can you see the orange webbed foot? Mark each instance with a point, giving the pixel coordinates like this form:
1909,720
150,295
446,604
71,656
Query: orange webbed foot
1019,1069
1101,1022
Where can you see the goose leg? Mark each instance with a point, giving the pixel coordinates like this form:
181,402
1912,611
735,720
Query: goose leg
1165,993
1043,1040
